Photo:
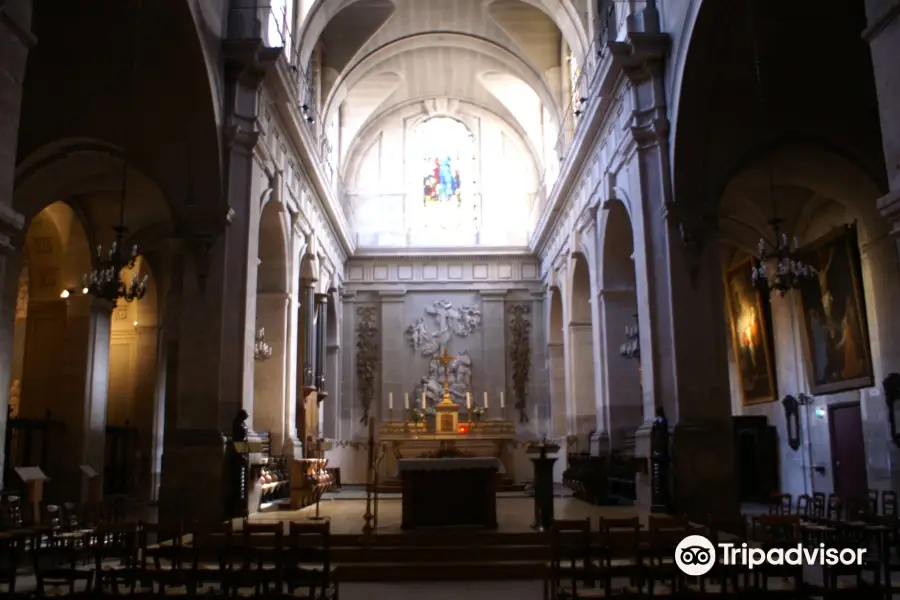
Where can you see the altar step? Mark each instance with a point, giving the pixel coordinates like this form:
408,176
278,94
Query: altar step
442,556
393,486
493,571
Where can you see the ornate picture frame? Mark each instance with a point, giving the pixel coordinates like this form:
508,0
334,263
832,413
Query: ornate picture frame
750,319
832,307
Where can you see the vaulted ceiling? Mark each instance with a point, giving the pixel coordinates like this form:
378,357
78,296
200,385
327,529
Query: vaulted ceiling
504,56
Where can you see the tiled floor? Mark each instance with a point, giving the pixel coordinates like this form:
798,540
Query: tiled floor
514,515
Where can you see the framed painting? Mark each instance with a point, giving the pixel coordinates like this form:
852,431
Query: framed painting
833,309
751,333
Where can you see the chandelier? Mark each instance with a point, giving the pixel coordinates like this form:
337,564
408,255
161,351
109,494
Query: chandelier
261,350
780,270
105,281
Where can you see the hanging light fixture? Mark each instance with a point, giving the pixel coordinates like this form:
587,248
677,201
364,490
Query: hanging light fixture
261,350
779,269
105,281
778,266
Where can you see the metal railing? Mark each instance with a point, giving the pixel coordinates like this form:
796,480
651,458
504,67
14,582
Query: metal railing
610,21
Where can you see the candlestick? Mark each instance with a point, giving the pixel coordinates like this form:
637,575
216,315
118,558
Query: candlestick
406,401
468,401
485,401
391,400
501,401
423,400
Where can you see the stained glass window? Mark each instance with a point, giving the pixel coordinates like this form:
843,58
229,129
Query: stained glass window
447,153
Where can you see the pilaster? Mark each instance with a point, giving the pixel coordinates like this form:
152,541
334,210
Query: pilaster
495,351
85,379
393,349
270,375
679,285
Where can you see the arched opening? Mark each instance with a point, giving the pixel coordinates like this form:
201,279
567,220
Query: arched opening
556,361
770,157
829,339
618,309
583,405
270,390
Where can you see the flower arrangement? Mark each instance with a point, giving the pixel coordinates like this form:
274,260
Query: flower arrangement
478,412
416,415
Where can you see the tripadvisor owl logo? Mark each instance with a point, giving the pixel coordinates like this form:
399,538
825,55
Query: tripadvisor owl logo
695,555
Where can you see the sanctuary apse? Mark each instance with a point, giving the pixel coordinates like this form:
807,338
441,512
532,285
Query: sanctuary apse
532,188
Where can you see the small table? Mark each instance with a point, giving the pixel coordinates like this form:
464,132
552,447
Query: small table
449,492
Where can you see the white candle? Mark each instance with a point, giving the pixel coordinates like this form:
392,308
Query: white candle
468,401
406,401
390,400
501,400
423,400
485,401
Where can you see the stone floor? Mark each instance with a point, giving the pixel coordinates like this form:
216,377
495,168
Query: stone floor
470,590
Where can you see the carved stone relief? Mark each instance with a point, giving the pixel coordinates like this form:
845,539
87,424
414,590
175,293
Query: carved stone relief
520,356
448,321
366,357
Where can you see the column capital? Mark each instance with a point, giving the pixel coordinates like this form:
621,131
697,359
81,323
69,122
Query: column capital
889,207
322,298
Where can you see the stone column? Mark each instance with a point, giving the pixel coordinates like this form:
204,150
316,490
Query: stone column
270,377
679,286
883,35
306,401
146,374
16,40
321,335
393,356
491,377
584,417
81,406
557,366
622,379
215,355
293,369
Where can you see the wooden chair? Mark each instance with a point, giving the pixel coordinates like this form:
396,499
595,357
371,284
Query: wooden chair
835,508
570,545
778,531
804,506
780,504
307,560
56,572
889,505
620,546
731,579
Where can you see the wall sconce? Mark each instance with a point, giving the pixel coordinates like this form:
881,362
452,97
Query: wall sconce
791,407
64,294
891,385
135,324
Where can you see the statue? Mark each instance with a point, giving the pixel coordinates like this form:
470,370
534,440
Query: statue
450,321
239,426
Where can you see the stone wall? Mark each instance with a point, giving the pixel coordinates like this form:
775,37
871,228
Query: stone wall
395,293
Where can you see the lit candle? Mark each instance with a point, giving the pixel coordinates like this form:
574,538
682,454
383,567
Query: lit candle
501,400
390,400
423,400
406,401
485,401
468,401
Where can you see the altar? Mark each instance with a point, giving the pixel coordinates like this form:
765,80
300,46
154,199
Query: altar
449,492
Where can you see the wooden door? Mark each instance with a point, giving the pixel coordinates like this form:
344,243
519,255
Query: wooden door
848,454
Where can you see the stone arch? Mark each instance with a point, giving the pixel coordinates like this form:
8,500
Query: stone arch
580,338
332,367
270,375
817,189
621,385
323,11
